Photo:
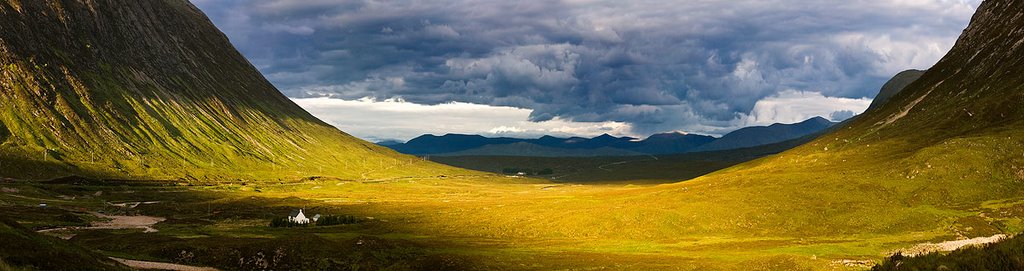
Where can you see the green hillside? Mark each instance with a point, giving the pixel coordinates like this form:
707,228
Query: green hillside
132,89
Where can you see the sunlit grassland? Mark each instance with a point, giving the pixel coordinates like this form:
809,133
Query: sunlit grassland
805,209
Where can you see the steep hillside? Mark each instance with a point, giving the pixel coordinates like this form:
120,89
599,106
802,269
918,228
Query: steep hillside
151,89
975,88
763,135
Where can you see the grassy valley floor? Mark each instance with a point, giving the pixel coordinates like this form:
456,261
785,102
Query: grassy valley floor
475,222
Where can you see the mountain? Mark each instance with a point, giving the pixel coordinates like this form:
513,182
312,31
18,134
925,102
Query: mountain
431,144
894,86
763,135
453,143
657,144
601,141
152,89
973,90
389,143
672,143
534,150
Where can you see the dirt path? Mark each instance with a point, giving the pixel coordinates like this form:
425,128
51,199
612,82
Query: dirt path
39,199
602,167
127,222
132,205
116,222
161,266
926,248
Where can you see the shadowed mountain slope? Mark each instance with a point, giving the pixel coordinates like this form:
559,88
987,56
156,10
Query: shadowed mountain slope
151,89
893,86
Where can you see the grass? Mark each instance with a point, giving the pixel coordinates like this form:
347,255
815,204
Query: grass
23,249
6,267
513,223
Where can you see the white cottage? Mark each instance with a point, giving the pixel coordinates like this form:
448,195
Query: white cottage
298,216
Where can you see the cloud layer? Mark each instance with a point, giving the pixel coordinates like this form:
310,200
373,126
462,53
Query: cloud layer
401,120
698,66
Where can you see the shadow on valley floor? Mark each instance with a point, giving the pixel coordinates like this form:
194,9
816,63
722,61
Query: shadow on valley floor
408,224
224,225
45,167
626,169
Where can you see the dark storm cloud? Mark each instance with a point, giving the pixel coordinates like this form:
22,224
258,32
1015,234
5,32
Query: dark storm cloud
657,65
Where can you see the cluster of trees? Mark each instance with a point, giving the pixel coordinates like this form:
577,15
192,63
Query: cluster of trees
527,171
1005,255
285,223
323,221
336,220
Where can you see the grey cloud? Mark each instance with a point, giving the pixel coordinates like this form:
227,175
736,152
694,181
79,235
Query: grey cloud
841,115
658,65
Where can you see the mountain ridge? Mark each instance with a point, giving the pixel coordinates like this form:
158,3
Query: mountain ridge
763,135
656,144
528,149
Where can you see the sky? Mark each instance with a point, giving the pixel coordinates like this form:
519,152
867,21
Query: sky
398,69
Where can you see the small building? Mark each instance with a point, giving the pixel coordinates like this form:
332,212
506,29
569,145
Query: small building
315,218
298,216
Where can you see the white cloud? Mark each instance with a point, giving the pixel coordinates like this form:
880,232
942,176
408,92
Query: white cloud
441,31
297,30
396,119
793,106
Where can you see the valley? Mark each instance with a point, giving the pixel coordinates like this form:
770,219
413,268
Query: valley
182,155
480,223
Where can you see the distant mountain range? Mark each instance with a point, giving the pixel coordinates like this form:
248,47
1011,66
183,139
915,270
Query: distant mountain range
763,135
605,145
658,144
